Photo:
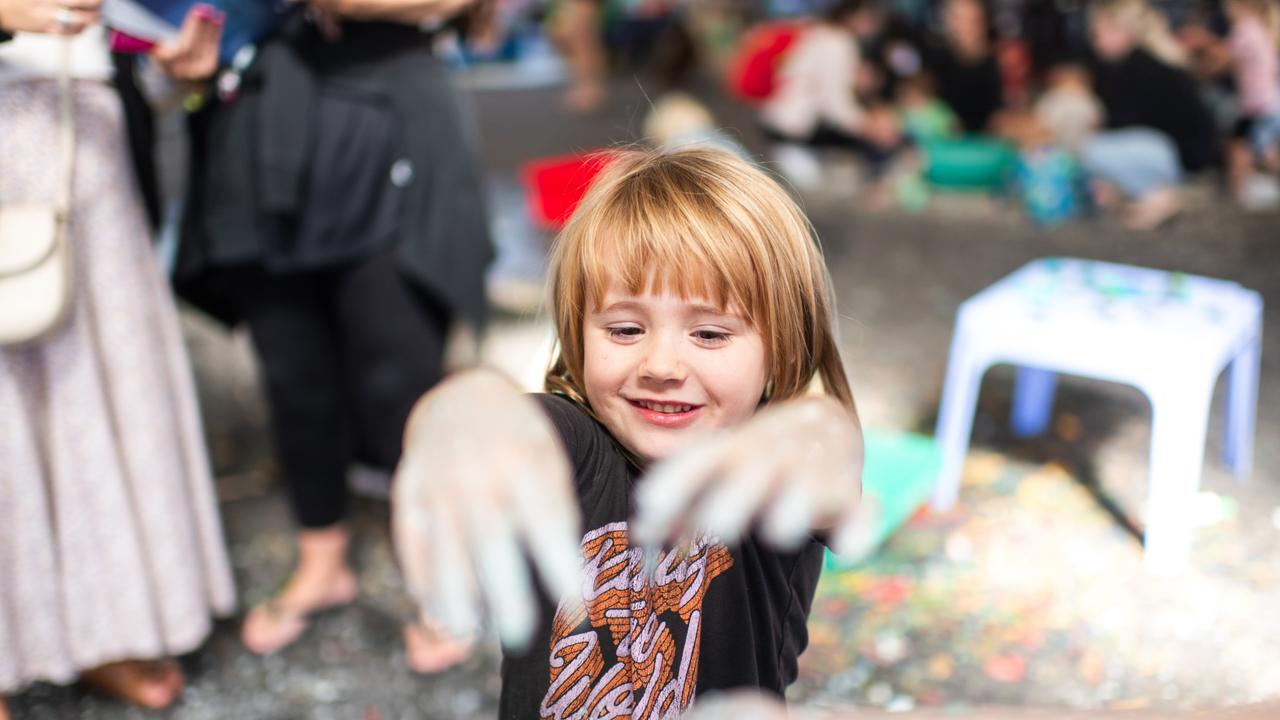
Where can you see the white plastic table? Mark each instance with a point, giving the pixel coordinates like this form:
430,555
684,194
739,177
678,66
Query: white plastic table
1168,334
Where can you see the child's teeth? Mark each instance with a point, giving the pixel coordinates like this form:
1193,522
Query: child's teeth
656,407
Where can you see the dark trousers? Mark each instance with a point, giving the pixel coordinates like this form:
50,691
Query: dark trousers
828,136
345,352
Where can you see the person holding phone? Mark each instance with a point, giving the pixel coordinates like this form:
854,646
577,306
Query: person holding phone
112,558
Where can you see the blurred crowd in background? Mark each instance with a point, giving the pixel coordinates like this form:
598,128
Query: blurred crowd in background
327,195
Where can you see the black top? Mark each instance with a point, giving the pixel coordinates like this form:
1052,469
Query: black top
330,151
1142,91
718,618
972,89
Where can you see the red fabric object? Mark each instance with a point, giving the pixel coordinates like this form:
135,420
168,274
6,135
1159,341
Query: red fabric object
555,185
1014,59
753,70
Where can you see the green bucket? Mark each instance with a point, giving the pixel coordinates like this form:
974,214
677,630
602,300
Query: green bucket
970,163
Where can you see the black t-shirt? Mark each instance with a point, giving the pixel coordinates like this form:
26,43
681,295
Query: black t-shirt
709,619
1142,91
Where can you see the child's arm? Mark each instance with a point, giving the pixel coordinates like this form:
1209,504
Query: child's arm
792,469
482,481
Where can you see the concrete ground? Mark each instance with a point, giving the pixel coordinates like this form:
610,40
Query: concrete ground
1027,594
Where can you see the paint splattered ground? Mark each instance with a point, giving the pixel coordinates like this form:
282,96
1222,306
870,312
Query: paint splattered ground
1030,593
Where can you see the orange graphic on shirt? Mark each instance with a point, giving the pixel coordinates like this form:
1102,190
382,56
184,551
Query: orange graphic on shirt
631,649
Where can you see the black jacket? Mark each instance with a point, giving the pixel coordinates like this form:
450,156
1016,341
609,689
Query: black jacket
329,151
1142,91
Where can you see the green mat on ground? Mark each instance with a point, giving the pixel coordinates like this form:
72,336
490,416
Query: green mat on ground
897,478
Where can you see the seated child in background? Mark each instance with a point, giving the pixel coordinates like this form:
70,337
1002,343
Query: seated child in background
925,117
698,421
1068,109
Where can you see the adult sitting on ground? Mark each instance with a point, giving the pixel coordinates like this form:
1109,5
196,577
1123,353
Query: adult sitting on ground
815,103
1158,127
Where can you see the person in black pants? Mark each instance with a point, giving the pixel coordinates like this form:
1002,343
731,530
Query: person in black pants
337,210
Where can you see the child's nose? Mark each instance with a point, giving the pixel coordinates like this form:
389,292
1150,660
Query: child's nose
662,361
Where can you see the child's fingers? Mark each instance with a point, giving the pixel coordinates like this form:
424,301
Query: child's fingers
552,530
410,526
666,493
728,509
849,536
453,600
500,567
789,518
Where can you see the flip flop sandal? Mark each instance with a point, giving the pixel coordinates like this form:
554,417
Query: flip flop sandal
283,625
428,649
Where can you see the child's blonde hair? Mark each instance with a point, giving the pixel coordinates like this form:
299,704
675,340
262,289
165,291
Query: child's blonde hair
1148,26
699,222
1268,12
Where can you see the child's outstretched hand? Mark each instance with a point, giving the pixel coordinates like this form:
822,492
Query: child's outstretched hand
484,481
790,470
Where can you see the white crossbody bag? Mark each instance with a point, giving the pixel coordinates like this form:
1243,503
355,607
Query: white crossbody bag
35,259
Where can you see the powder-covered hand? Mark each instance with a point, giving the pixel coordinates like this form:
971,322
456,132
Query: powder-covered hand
790,470
483,481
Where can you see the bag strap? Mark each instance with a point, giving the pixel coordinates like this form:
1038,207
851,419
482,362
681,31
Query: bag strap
67,134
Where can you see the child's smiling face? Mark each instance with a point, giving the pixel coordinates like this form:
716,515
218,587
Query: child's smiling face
660,370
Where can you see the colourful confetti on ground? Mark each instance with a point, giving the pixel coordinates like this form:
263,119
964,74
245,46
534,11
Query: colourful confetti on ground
1029,593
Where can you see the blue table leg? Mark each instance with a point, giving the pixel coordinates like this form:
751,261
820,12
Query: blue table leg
1033,391
1242,409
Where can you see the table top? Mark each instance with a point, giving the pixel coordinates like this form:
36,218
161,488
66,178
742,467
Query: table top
1060,308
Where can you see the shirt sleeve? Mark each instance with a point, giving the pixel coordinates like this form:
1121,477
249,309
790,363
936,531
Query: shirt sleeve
583,438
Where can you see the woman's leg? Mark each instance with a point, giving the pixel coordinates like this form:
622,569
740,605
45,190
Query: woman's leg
290,319
1143,165
393,341
393,346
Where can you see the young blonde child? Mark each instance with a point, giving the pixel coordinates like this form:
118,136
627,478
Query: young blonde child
697,439
1068,109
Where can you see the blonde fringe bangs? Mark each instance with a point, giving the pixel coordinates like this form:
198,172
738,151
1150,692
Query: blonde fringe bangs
698,223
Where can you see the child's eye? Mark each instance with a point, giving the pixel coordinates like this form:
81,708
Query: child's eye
625,332
711,337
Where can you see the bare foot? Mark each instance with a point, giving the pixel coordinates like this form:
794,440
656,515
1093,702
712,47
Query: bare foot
4,710
322,580
427,649
1154,209
152,684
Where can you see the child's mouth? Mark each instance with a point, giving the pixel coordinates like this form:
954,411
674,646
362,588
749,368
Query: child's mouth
664,414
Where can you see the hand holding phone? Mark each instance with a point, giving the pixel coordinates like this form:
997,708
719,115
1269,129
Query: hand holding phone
193,55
